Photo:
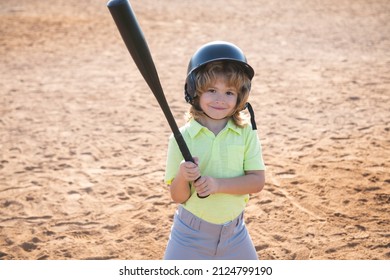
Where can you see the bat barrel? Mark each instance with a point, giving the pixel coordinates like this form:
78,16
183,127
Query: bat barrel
133,37
135,42
113,3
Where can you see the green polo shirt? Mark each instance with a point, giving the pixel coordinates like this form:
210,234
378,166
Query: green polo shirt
226,155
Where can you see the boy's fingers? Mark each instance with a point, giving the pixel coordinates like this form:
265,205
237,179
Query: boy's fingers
203,191
196,160
200,183
190,164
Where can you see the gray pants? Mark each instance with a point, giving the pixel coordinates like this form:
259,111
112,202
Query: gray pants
195,239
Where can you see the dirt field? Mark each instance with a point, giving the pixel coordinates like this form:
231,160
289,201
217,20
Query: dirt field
83,141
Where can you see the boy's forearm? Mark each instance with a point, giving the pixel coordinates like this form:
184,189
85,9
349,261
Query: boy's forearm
180,190
251,182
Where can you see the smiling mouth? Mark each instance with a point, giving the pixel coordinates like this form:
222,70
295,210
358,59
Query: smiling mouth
218,108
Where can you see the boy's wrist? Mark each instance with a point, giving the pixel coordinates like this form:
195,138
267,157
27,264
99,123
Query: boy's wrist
218,185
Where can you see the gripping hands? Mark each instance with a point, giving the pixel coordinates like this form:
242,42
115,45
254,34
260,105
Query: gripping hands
204,185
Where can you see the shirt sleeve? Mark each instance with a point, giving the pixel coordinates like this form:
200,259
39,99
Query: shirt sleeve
174,158
253,159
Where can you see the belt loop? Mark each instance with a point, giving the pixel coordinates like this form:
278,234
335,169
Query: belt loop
190,219
197,223
240,218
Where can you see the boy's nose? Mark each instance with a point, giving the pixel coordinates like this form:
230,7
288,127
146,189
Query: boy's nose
219,97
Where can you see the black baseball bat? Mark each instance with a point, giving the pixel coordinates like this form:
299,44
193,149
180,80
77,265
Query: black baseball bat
135,42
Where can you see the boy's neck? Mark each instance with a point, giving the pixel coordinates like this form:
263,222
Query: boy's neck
213,125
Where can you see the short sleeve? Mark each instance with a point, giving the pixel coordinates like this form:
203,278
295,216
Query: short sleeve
174,158
253,159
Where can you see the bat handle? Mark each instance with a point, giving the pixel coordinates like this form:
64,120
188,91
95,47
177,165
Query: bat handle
198,194
183,148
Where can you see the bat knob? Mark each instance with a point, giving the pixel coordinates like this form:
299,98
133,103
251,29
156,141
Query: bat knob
198,194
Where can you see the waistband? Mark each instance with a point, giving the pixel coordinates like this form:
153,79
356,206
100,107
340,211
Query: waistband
199,224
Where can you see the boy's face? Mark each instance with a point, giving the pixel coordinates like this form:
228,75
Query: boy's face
219,100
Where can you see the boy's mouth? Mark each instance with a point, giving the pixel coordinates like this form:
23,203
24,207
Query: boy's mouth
218,108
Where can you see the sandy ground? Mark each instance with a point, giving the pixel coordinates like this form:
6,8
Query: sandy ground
83,141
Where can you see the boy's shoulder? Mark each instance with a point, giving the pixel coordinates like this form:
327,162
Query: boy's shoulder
246,128
192,128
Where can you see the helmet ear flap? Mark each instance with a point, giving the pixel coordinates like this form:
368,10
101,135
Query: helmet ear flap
249,87
190,88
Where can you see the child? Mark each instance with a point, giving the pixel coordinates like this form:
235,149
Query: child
213,191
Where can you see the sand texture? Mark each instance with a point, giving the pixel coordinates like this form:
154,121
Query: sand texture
83,141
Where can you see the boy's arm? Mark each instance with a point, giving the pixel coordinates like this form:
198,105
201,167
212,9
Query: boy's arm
180,186
252,182
180,190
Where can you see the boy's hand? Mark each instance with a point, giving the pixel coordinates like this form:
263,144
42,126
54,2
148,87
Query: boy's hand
206,185
189,170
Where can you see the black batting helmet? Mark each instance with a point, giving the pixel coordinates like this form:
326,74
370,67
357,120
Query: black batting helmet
210,52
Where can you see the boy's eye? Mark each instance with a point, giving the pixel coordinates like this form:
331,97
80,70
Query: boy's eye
212,90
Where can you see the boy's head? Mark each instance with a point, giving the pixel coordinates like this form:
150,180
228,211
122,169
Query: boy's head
214,60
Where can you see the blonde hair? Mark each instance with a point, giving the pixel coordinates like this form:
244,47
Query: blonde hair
235,78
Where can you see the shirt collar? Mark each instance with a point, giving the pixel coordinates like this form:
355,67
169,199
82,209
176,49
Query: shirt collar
194,127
